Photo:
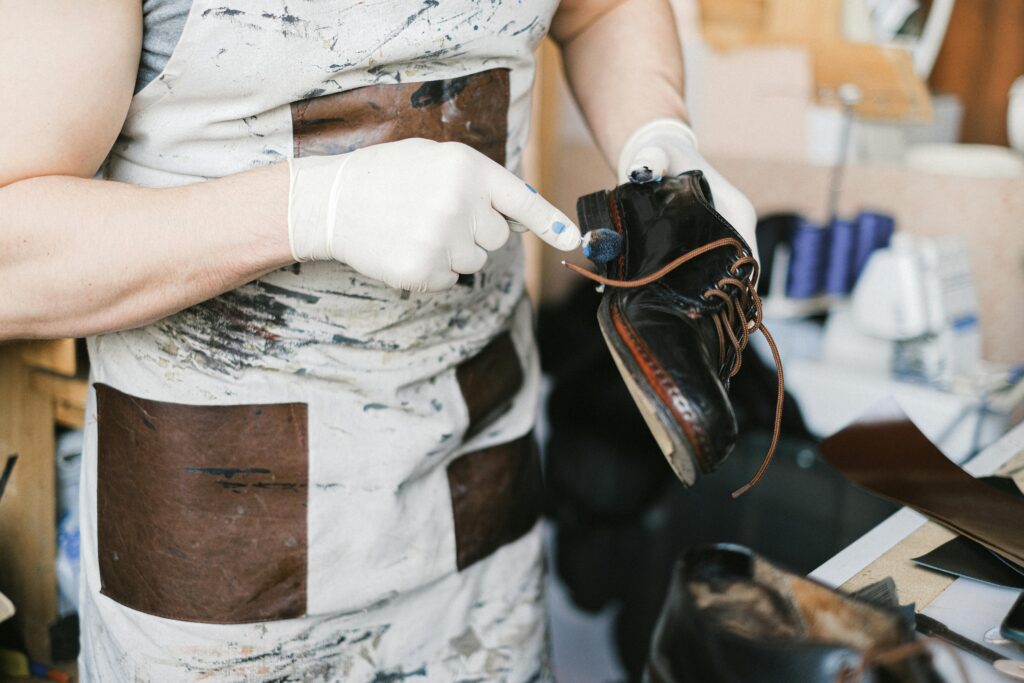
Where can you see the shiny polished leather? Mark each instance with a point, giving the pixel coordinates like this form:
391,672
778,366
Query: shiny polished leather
663,333
690,645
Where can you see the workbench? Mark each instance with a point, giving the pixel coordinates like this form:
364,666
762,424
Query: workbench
887,549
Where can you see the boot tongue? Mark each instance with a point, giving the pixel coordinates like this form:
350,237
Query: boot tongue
662,221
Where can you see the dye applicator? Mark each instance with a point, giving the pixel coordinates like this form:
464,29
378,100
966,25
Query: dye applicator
602,245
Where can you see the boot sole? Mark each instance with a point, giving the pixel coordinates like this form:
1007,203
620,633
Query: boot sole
662,423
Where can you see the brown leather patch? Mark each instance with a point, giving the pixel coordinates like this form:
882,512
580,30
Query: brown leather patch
489,381
471,109
496,497
202,509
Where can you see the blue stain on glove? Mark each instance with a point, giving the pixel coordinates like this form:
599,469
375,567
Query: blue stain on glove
602,245
558,227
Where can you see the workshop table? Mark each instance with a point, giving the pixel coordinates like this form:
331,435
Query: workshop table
887,549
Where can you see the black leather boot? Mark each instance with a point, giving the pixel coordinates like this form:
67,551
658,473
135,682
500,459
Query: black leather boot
677,312
733,617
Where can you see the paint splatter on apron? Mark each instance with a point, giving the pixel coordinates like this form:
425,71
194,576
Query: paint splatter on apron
309,478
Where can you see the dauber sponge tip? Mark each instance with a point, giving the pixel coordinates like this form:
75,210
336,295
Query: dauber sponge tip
602,245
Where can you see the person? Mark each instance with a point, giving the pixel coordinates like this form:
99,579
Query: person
313,378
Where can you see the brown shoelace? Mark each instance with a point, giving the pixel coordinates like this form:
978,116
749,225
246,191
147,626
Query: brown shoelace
897,654
736,299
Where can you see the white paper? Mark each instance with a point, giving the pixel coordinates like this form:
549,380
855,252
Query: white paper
972,608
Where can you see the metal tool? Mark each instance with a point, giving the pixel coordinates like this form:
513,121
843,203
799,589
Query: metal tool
935,628
6,475
1012,627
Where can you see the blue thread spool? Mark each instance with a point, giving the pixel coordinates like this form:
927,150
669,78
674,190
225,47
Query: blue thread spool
874,231
839,274
808,260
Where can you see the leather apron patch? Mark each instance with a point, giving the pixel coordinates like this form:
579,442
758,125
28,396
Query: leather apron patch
201,510
471,109
496,497
489,381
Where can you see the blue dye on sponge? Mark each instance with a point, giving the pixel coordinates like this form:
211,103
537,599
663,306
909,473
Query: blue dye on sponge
602,245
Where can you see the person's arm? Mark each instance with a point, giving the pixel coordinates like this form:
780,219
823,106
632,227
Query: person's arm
624,64
80,256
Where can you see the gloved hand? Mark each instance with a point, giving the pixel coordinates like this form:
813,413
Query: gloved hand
669,147
413,213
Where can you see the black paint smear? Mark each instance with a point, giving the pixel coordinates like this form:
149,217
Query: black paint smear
438,92
526,28
427,4
351,295
224,12
231,332
395,676
149,425
315,92
277,656
271,485
228,472
285,18
287,293
342,339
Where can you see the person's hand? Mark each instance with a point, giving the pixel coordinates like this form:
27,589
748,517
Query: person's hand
414,213
666,147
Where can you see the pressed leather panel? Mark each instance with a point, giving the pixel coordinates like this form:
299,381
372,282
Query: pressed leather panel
202,509
496,497
489,381
471,109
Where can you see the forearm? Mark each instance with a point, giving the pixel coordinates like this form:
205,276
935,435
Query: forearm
81,257
625,68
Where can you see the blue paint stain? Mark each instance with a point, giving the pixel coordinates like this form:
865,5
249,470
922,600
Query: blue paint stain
558,227
530,188
373,406
436,404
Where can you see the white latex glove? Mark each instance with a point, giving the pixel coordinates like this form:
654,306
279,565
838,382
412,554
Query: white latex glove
665,147
413,213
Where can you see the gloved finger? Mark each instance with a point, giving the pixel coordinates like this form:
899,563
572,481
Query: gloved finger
518,201
650,164
734,207
436,282
516,226
467,259
490,230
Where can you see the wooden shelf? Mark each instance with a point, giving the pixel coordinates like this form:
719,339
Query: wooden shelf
41,386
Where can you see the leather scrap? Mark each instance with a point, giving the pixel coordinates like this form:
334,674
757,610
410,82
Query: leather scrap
886,454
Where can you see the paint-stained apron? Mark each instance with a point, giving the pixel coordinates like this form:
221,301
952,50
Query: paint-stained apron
311,478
